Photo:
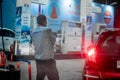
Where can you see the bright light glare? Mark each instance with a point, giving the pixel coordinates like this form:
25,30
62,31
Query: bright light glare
69,2
91,52
109,8
24,49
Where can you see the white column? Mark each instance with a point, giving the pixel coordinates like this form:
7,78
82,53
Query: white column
86,9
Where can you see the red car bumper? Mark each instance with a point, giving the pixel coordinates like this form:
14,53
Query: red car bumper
94,74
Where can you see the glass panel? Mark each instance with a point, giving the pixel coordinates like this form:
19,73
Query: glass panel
8,33
111,44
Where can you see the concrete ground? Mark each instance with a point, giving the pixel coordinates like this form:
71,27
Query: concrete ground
69,69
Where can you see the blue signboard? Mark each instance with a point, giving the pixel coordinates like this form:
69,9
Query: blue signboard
58,10
103,14
106,16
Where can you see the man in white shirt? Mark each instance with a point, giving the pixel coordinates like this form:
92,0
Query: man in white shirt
43,41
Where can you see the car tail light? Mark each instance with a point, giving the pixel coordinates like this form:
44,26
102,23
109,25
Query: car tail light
91,54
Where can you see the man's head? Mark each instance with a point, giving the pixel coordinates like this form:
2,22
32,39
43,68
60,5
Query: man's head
41,20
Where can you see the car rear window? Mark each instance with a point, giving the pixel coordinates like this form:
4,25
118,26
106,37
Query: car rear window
111,44
6,33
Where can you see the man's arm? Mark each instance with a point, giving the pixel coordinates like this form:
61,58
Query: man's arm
52,37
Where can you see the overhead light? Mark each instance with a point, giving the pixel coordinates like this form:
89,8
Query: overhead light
113,3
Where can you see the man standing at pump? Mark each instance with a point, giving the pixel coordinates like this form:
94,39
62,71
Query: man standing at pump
43,42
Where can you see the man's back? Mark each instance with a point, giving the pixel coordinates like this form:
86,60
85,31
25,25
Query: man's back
42,41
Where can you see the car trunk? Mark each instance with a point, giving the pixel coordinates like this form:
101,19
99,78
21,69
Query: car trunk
108,61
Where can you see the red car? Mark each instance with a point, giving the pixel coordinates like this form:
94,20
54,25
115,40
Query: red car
103,57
